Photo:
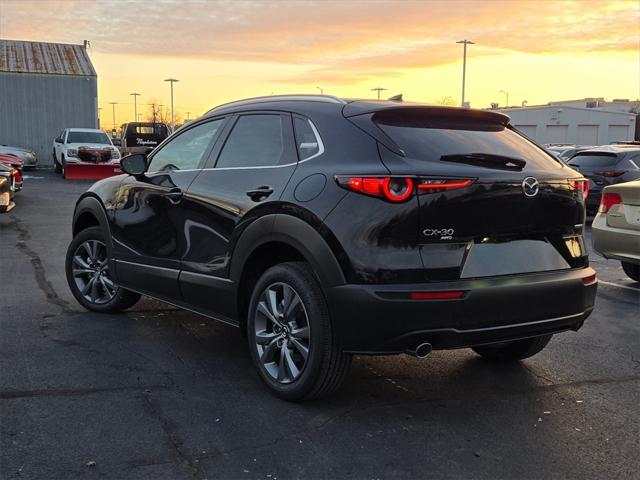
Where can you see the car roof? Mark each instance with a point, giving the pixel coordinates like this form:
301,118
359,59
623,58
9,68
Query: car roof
617,149
353,106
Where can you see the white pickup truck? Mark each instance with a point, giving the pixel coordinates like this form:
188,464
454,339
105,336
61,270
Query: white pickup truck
83,145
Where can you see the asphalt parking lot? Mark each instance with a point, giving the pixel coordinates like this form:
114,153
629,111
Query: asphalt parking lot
162,393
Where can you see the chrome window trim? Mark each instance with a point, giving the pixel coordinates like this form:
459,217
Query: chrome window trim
318,139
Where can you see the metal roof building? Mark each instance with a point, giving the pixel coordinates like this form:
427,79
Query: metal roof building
44,87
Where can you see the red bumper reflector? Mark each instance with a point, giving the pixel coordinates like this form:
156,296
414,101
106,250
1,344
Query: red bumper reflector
435,295
590,280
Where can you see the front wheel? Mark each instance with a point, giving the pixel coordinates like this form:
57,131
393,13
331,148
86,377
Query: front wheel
632,270
89,274
290,337
513,351
57,168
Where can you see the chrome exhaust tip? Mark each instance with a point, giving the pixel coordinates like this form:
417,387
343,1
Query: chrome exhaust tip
421,350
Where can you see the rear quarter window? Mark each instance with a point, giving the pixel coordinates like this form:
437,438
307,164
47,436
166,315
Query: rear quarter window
430,138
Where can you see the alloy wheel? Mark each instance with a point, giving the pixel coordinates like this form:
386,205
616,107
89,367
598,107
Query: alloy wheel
90,268
282,332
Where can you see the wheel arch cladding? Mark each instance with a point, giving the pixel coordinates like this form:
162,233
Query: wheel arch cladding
90,212
296,233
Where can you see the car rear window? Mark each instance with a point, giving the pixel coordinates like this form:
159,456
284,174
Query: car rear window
88,137
594,159
430,138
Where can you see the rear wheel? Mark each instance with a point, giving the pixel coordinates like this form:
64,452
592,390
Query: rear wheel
513,351
632,270
290,335
56,165
89,276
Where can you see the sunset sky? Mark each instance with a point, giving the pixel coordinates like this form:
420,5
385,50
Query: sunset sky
224,50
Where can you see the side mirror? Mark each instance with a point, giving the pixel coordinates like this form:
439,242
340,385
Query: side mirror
135,164
58,140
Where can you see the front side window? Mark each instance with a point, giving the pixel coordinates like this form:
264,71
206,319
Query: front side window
185,151
257,141
307,139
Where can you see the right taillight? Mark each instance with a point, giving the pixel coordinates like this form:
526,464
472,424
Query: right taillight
399,189
608,200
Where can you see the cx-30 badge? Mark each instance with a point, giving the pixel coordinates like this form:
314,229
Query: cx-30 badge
530,186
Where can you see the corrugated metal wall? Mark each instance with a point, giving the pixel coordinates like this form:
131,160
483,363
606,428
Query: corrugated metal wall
34,108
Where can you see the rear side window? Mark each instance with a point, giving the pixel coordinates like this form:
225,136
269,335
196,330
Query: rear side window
308,140
594,160
257,141
430,138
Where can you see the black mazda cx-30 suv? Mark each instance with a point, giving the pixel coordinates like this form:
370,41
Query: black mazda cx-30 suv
325,227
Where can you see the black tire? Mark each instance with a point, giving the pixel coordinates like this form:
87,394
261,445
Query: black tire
513,351
63,165
632,270
326,365
56,165
122,298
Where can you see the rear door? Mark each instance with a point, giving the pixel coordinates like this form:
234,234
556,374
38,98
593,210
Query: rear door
244,177
504,203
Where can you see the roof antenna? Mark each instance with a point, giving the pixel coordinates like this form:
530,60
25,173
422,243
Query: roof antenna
396,98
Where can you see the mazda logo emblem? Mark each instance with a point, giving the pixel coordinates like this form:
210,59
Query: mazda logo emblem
530,186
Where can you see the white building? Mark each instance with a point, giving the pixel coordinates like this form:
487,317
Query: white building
563,123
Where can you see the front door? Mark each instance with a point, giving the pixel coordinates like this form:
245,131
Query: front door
151,210
247,175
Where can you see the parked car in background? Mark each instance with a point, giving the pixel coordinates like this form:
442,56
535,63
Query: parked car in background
324,227
616,228
16,163
83,145
142,137
566,152
8,180
606,165
29,158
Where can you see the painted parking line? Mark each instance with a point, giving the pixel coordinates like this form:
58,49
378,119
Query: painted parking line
619,286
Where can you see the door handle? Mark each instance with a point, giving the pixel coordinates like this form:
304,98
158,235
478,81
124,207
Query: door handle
174,195
259,193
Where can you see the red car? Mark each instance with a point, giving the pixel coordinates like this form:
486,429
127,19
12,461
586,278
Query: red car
15,162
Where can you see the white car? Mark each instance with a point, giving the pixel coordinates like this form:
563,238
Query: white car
83,145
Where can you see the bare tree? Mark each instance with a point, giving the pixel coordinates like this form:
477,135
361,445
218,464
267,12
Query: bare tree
446,101
160,113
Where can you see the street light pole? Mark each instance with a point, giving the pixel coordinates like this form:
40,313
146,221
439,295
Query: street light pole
378,89
188,113
465,42
172,81
135,105
113,105
507,99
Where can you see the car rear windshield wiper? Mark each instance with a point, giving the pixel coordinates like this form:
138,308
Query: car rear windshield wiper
488,160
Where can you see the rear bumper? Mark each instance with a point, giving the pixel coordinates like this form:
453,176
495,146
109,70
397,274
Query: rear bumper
382,318
615,243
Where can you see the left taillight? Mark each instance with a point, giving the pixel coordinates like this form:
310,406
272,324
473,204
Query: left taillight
17,175
608,200
581,185
399,189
